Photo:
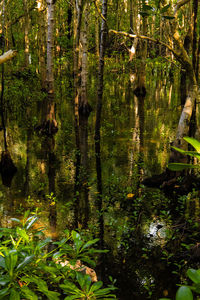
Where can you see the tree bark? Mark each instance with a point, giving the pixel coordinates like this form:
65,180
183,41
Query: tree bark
84,107
50,45
98,123
42,41
26,31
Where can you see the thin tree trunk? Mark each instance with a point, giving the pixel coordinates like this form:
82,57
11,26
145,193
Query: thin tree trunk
84,107
131,16
50,46
42,42
26,31
98,124
78,10
97,33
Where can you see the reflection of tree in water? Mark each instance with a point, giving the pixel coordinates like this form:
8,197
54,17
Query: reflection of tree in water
7,167
46,132
81,187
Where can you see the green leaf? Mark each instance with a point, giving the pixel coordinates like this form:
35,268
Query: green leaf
90,243
11,261
193,142
42,244
144,13
14,295
193,275
184,293
2,262
4,280
180,166
26,261
51,295
15,220
190,153
168,17
72,297
70,287
147,7
96,286
28,294
75,235
165,8
4,292
33,220
22,232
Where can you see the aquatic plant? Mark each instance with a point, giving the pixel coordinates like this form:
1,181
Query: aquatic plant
29,271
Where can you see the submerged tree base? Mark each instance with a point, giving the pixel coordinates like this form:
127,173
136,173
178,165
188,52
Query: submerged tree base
140,91
7,168
170,182
85,109
47,128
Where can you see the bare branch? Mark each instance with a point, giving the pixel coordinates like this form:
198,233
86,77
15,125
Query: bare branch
179,4
7,56
143,37
98,10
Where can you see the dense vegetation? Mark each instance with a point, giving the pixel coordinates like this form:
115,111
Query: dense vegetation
93,95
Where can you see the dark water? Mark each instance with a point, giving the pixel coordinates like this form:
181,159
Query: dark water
135,142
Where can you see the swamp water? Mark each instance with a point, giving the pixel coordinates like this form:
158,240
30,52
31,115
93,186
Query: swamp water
136,224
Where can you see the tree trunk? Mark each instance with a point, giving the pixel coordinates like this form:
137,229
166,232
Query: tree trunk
50,46
97,33
98,123
78,11
84,107
42,41
26,31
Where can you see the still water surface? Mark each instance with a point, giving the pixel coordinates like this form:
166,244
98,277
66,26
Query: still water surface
135,140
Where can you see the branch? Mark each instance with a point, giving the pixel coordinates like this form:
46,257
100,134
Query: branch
179,4
143,37
99,11
7,56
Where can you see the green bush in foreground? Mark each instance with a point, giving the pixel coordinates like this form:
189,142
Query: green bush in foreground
29,271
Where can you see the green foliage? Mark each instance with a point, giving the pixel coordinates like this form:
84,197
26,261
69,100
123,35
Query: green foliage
185,292
181,166
86,289
29,271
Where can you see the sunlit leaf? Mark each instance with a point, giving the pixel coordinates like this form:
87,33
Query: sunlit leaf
193,142
4,280
4,292
193,275
28,294
22,232
15,220
11,261
26,261
90,243
96,286
2,262
130,195
184,293
33,220
190,153
180,166
14,295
